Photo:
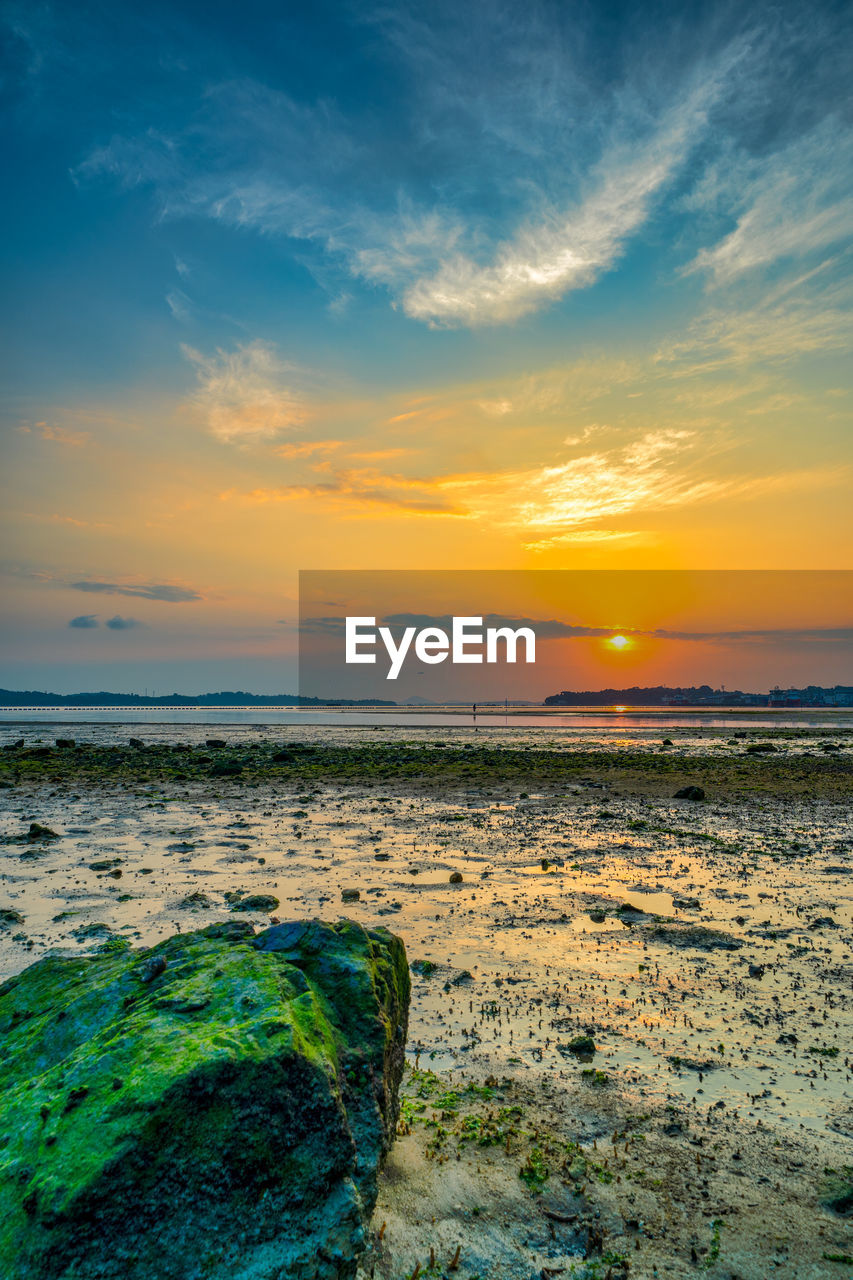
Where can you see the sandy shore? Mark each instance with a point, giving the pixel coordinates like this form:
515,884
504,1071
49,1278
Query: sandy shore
704,949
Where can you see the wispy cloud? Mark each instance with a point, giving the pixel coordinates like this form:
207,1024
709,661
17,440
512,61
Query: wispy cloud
806,313
567,249
58,435
791,204
246,395
357,489
54,517
590,537
662,469
167,592
309,448
516,212
89,621
572,501
179,305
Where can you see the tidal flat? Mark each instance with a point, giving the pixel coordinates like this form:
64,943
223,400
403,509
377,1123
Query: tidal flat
630,1042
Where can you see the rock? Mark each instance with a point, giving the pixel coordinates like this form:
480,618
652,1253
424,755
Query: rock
756,971
838,1192
137,742
38,832
8,917
598,915
229,770
86,932
153,968
690,793
697,936
65,743
702,1065
13,746
216,742
196,899
350,895
257,902
228,1119
581,1047
456,877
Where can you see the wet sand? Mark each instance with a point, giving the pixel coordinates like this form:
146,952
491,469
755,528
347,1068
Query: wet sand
704,948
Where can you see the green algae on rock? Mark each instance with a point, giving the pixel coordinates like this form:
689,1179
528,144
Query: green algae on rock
216,1106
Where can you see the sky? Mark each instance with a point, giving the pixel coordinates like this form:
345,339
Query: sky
408,286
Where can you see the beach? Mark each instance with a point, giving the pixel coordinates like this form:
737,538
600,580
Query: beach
630,1036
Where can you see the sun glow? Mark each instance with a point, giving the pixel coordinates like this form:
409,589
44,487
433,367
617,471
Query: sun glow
618,642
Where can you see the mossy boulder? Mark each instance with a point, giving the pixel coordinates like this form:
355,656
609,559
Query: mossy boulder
216,1106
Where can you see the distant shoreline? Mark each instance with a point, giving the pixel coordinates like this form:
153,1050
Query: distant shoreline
447,708
67,720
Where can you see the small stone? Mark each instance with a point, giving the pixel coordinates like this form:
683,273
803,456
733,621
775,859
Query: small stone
197,899
350,895
456,877
38,832
153,968
690,793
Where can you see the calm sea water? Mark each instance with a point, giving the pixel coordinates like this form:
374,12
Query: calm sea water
829,718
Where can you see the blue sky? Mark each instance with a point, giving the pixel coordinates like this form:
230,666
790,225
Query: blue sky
556,285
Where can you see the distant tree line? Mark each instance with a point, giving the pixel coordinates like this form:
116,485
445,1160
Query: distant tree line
236,698
659,695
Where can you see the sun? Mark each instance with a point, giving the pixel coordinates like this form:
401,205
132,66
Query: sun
618,642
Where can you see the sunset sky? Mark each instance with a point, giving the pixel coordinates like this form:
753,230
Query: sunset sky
404,286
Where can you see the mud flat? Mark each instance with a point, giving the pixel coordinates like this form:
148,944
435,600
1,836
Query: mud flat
630,1037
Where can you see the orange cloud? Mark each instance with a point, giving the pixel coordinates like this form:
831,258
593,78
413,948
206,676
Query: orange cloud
59,435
